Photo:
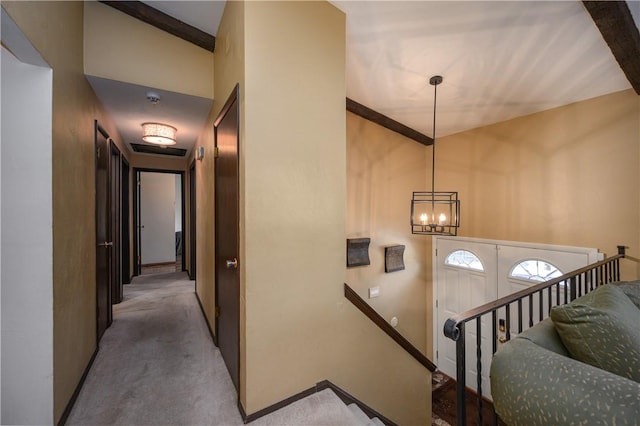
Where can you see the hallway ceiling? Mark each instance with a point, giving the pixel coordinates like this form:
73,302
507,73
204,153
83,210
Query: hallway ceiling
128,106
499,59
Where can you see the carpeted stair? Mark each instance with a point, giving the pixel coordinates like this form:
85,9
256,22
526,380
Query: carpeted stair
363,418
318,409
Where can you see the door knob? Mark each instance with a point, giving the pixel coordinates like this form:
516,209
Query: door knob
106,244
232,264
502,339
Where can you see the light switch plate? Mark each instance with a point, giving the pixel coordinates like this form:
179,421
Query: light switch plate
374,292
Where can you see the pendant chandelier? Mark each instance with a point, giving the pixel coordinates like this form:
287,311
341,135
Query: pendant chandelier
435,213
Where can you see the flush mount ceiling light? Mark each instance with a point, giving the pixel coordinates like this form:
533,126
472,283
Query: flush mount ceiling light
435,213
159,134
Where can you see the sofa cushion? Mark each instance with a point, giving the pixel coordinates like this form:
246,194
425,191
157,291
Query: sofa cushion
631,289
602,329
544,334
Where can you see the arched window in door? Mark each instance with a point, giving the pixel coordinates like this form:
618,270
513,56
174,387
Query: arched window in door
535,270
464,259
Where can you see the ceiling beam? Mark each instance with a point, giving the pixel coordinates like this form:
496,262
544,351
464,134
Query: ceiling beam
165,22
616,24
389,123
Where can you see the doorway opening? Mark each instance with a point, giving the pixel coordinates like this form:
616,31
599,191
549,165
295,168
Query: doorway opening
159,221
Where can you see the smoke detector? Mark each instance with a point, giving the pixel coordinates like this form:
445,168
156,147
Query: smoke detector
153,97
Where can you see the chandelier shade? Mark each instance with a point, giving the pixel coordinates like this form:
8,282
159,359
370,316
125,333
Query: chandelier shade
435,213
159,134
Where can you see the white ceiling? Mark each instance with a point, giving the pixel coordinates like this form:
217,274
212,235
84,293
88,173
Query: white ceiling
499,60
128,106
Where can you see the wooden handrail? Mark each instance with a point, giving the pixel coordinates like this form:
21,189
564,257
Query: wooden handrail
364,307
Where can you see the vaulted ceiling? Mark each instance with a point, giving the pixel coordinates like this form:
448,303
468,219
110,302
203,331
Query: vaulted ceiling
499,59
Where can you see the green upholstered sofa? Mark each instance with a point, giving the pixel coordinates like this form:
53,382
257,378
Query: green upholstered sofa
535,379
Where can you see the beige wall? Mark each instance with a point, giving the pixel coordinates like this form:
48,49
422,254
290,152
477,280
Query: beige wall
55,29
383,169
122,48
294,317
566,176
294,195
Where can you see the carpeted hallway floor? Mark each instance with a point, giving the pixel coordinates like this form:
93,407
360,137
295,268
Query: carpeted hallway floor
157,365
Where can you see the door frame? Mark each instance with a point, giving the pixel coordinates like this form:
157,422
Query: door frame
137,261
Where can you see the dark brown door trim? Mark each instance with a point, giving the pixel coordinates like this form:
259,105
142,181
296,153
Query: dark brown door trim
137,268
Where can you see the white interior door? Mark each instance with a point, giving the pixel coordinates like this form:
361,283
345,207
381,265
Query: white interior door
464,283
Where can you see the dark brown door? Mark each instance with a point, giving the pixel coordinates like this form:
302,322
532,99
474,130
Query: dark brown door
115,189
192,221
125,225
226,231
103,233
137,254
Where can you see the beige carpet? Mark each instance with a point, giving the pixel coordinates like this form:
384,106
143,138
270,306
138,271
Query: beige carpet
157,365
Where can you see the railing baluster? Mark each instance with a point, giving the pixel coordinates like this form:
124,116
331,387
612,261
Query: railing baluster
519,316
550,302
540,305
479,367
530,310
572,283
508,320
557,294
566,293
461,371
494,321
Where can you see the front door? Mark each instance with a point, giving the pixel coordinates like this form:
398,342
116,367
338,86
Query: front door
472,272
226,130
103,232
465,278
522,267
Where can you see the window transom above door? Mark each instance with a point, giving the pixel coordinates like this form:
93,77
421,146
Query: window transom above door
535,270
464,259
